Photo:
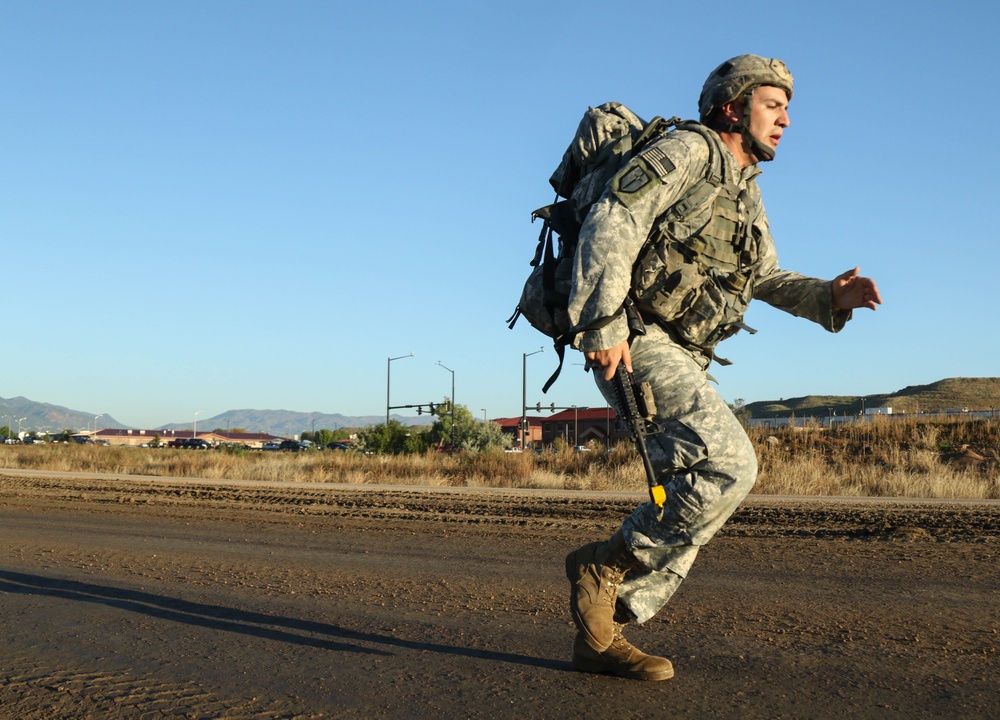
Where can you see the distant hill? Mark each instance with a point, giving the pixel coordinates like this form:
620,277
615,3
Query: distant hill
948,394
45,418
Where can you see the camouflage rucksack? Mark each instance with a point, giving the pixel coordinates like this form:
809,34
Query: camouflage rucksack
606,139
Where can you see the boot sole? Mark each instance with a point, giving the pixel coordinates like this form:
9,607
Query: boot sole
587,665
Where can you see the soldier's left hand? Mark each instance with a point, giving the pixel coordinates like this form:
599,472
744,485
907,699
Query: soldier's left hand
850,291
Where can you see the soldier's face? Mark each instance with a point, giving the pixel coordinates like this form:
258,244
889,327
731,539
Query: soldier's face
769,114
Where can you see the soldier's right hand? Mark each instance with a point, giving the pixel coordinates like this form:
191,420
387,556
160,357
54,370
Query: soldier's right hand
608,359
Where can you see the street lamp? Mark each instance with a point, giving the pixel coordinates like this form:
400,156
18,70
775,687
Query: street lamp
194,432
524,394
388,370
19,426
96,418
576,426
607,429
452,438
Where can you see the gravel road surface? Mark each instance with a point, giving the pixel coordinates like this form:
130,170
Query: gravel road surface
153,598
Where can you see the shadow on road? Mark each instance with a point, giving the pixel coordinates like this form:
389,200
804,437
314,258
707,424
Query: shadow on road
245,622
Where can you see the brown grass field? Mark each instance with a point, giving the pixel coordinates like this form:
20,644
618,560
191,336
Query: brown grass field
885,458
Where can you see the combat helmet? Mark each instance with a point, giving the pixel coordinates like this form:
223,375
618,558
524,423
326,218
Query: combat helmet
738,77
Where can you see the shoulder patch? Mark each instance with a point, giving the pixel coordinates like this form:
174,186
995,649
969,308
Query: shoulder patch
633,180
658,161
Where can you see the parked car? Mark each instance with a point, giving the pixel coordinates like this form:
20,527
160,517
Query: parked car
271,446
190,444
292,446
338,446
232,446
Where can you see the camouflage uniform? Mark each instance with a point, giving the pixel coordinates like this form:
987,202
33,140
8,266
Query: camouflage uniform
702,455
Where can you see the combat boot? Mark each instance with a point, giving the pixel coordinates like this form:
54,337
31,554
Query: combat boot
595,571
622,659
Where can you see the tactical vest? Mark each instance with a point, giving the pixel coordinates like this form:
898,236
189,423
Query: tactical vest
695,274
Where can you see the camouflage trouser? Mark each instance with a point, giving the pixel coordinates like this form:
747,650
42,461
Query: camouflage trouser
704,459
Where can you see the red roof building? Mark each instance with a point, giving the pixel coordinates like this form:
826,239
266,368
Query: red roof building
584,426
511,426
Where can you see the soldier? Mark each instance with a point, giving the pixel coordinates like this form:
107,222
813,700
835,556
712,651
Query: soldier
680,242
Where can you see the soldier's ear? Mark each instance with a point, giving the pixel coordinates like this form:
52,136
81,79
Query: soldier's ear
732,112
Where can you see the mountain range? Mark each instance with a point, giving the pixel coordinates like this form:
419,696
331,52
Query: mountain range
26,415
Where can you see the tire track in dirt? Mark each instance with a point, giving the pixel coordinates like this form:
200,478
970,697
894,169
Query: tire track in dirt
37,692
760,516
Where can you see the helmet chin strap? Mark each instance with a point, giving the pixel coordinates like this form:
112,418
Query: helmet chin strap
762,151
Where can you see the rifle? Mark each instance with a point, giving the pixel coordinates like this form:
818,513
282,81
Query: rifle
637,408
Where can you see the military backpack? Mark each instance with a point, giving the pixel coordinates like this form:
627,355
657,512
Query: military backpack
607,138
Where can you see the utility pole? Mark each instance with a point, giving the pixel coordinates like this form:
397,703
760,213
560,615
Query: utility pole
452,434
388,374
524,396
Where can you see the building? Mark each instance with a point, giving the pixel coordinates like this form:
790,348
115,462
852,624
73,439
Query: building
511,426
122,436
583,426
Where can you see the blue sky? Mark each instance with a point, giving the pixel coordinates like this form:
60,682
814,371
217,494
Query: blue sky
208,206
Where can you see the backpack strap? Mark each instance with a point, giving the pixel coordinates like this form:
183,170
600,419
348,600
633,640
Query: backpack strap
635,324
715,174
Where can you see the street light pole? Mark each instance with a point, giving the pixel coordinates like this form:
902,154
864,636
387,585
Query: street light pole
607,429
388,371
194,433
524,394
452,438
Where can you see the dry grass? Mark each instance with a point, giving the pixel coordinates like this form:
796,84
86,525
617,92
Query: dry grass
885,458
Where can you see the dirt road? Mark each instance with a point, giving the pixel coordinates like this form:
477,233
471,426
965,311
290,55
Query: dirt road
132,598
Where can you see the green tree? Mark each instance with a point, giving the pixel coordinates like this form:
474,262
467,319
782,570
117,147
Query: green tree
417,441
462,431
491,435
390,438
326,436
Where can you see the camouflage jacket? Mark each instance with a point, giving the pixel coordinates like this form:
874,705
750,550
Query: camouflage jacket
620,223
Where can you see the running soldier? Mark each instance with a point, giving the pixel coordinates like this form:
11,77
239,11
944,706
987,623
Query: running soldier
674,256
